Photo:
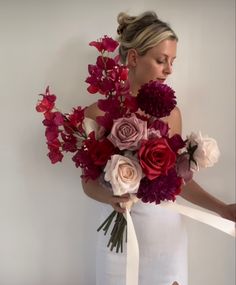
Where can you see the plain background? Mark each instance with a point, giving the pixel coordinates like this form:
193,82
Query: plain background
47,224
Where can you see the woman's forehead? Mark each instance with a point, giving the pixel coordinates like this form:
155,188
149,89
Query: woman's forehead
166,48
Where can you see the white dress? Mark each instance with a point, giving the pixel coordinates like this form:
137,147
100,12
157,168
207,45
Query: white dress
162,242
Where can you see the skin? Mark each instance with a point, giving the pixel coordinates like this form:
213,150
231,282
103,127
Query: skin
157,64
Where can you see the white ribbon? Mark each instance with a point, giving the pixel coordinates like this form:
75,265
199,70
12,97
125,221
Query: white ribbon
132,265
214,221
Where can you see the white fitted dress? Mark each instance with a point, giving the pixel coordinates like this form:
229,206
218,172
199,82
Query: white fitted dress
162,242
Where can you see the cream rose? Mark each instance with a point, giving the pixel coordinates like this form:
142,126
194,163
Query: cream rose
90,125
123,173
207,152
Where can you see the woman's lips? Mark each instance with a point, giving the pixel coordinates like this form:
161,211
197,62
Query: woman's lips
161,80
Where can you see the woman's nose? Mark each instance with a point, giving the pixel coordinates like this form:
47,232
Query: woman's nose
168,68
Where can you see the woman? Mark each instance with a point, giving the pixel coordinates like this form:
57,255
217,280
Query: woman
148,47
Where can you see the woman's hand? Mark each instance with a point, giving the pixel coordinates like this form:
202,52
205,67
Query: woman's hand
115,201
229,212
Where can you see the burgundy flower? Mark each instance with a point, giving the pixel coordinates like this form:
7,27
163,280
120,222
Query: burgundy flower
164,187
160,126
110,105
53,119
109,44
101,151
123,73
92,156
83,160
105,44
51,133
54,144
99,79
156,99
112,110
176,142
70,142
105,63
77,116
107,77
55,155
47,103
130,103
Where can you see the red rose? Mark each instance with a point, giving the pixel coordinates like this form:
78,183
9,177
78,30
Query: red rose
156,157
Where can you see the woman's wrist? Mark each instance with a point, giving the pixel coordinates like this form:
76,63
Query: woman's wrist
220,208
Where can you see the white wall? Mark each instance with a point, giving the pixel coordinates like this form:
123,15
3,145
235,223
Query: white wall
47,225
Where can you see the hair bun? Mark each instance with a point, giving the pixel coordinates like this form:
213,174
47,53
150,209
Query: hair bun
123,20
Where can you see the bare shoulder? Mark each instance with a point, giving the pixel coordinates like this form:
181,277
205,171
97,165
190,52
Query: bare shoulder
174,121
93,111
175,114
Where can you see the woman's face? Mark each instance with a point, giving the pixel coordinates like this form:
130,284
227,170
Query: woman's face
156,64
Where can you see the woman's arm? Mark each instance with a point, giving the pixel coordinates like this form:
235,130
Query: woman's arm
94,190
192,191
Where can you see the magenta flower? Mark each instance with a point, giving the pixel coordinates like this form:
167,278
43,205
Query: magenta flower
105,44
156,99
47,103
55,156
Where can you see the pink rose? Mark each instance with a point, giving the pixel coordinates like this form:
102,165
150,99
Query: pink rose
127,133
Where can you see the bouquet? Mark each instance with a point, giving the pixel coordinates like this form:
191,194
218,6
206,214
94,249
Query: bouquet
128,148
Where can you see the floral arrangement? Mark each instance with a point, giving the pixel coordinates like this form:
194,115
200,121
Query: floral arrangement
128,148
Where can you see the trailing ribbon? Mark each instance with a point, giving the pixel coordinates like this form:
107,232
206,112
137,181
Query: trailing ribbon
132,265
214,221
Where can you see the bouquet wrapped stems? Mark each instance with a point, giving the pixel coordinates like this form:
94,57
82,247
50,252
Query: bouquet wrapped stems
117,234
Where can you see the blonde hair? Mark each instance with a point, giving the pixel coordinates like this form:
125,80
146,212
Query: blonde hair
141,33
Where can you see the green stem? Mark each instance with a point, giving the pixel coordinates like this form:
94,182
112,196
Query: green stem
108,218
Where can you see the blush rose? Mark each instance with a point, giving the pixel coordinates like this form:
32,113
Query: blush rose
123,173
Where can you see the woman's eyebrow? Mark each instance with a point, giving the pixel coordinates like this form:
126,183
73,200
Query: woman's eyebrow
166,55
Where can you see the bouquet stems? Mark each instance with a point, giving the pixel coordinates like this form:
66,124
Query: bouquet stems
117,233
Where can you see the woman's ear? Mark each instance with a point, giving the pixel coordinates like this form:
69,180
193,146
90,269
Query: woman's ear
131,58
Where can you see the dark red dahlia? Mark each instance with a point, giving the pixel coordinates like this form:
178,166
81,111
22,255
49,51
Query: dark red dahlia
164,187
156,99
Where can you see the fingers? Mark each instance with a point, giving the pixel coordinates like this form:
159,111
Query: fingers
116,200
118,208
120,199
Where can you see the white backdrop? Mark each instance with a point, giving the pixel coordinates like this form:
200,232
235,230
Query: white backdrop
47,225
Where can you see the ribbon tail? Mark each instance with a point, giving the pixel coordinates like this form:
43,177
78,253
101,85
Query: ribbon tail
132,266
217,222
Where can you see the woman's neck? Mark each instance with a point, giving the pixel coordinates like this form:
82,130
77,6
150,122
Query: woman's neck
134,87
